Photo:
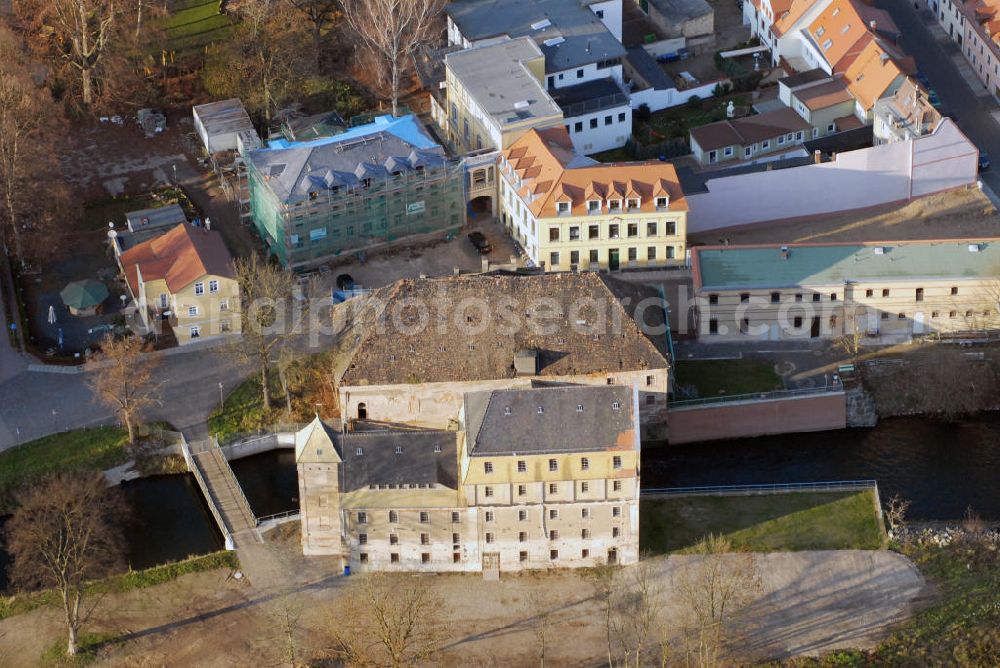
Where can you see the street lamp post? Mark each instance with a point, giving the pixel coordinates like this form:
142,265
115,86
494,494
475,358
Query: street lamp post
221,398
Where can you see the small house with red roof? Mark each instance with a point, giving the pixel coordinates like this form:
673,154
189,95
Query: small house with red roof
185,277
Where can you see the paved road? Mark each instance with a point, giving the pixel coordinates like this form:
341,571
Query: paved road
35,404
934,60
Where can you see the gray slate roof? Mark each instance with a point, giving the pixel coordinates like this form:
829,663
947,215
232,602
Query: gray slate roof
578,418
680,11
293,172
584,39
495,78
425,458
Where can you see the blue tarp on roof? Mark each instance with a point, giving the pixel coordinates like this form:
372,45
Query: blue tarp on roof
405,127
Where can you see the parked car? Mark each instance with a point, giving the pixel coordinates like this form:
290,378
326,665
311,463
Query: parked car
984,161
481,243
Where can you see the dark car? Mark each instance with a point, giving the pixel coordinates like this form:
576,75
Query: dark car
481,243
984,161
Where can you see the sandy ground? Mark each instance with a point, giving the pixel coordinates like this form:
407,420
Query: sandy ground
956,214
810,602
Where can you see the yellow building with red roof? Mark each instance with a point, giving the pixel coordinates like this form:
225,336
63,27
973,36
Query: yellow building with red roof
570,212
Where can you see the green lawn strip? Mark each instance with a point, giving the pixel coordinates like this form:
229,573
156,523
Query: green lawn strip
763,523
714,378
678,121
243,411
194,24
18,604
95,448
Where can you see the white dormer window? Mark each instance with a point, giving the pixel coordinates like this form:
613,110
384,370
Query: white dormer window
593,206
616,406
661,202
615,204
632,203
562,207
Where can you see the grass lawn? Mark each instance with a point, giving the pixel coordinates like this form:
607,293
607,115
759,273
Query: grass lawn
763,523
95,448
243,411
712,378
194,23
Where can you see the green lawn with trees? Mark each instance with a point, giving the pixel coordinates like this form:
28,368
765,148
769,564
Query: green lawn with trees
192,24
764,523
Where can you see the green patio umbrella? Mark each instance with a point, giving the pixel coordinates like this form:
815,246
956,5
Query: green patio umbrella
83,295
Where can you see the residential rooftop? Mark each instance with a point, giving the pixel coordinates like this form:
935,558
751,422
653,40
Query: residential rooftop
294,171
550,174
498,79
766,266
749,129
179,257
159,218
908,112
648,69
569,418
576,323
589,97
822,95
568,32
680,11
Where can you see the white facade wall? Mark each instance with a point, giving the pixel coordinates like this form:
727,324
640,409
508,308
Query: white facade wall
671,97
583,74
869,177
601,131
610,13
951,19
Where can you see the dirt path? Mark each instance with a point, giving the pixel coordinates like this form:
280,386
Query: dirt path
811,602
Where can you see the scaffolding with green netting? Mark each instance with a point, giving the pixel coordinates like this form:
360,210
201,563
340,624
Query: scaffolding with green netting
334,221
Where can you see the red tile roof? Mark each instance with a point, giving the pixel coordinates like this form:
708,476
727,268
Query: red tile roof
180,257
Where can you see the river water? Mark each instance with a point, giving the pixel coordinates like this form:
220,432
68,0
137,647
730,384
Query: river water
942,468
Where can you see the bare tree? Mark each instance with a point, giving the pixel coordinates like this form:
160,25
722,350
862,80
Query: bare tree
268,330
895,512
65,532
604,580
541,620
636,613
82,35
388,619
713,590
123,380
321,15
265,60
29,123
393,31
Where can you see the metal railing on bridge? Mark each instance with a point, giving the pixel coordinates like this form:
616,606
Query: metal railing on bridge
779,488
757,396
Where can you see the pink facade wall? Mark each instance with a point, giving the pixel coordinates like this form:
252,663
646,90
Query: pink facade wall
859,179
757,418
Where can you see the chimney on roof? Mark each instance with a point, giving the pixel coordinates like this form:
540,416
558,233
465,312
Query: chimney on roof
785,252
526,363
883,57
873,24
817,156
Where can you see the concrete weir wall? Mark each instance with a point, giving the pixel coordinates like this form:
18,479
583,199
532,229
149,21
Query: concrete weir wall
742,419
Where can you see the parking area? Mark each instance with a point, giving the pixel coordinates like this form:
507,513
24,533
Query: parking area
436,258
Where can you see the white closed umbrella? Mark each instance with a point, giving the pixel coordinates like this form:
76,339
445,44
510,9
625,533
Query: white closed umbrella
52,315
